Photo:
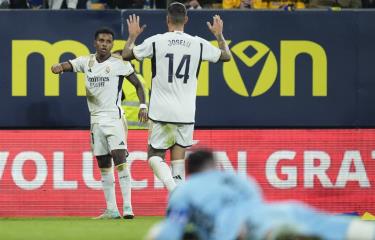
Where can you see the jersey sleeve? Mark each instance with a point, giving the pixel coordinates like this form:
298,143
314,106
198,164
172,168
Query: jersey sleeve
78,64
171,230
145,49
125,69
178,215
209,52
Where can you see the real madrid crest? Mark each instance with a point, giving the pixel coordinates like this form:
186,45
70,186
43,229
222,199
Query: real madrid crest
91,63
107,69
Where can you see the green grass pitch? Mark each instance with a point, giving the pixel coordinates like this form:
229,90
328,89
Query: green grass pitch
73,228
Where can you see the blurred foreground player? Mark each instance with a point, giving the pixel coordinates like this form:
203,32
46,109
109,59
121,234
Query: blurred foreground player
105,74
176,59
217,205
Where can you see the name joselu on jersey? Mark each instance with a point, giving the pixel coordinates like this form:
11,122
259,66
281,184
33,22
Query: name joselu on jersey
180,42
97,81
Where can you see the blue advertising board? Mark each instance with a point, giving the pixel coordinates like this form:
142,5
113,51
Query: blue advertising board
289,69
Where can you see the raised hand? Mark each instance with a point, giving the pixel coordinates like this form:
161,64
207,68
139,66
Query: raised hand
217,25
134,27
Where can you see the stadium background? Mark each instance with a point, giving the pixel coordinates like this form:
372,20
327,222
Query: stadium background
293,109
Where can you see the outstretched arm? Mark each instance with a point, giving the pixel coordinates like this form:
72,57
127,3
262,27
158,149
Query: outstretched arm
62,67
134,30
217,30
142,115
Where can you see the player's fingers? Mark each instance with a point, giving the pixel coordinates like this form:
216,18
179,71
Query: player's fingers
143,118
218,18
143,27
130,18
137,19
127,21
209,25
56,69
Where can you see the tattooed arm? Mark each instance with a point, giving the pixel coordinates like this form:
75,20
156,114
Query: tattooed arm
217,29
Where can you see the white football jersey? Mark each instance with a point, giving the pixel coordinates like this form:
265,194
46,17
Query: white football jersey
176,59
103,84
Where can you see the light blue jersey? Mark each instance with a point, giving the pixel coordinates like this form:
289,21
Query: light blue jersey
213,201
219,204
298,218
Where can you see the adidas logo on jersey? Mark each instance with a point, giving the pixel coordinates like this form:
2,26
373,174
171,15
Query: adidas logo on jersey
122,143
178,177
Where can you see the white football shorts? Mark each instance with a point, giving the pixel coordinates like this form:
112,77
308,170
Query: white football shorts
165,135
108,135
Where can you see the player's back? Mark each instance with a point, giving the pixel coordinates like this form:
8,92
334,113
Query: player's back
220,188
176,64
216,199
219,203
176,59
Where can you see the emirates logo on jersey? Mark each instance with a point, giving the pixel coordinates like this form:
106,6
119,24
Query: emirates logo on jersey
97,81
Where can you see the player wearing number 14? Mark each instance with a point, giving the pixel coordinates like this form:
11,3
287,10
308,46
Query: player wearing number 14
176,58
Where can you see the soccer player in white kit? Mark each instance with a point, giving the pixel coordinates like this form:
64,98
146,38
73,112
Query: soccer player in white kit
176,58
105,74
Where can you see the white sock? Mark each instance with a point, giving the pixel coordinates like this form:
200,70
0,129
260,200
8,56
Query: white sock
178,170
108,183
162,171
125,185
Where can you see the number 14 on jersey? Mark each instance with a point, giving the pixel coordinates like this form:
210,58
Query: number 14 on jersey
185,62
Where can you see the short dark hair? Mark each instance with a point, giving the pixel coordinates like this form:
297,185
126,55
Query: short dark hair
199,159
177,13
105,31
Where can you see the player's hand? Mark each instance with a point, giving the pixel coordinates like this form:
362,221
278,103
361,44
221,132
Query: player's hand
57,68
134,27
217,25
142,115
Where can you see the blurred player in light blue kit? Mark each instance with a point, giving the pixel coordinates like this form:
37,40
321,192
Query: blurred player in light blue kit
218,205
